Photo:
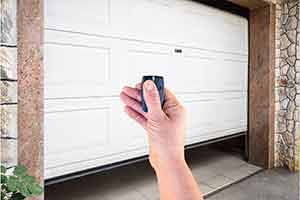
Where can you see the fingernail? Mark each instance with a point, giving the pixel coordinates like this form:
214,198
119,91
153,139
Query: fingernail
149,86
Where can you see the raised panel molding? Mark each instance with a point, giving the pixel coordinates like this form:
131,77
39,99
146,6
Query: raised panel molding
86,130
74,70
221,114
93,16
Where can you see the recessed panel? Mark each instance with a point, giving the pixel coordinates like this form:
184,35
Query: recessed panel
71,135
231,112
198,125
148,63
211,73
126,134
75,70
208,115
85,16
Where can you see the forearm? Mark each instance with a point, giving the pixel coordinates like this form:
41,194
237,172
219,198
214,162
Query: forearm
176,181
165,127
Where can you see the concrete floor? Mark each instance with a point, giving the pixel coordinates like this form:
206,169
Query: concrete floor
276,184
212,168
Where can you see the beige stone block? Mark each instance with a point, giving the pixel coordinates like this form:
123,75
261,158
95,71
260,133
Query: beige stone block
276,126
297,155
297,100
297,131
8,152
8,92
278,8
297,165
8,116
277,61
297,115
284,42
8,63
8,9
277,105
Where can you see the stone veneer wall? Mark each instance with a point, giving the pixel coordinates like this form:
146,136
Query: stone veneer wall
287,88
8,83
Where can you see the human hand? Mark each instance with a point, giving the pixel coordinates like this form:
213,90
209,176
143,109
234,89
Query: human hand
165,126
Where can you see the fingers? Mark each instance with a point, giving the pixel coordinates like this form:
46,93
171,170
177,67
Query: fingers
152,99
132,103
138,86
140,119
133,93
132,98
172,107
170,97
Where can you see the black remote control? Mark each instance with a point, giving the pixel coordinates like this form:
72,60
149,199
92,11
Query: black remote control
159,82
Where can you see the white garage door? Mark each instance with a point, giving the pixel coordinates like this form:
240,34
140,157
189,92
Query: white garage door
95,47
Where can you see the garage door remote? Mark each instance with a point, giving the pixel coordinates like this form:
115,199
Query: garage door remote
159,82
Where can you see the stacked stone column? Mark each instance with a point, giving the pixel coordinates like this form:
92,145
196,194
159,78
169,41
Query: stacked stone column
8,83
287,85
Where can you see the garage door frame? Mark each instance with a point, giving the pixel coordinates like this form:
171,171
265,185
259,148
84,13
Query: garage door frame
30,83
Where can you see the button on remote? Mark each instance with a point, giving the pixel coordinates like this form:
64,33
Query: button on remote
159,82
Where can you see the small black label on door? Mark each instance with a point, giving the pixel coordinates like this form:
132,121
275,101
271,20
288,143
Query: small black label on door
178,50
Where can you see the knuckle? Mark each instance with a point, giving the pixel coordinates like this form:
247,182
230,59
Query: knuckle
137,118
160,118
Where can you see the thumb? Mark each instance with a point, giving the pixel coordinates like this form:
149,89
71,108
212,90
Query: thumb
152,98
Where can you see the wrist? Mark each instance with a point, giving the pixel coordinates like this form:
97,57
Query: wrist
167,164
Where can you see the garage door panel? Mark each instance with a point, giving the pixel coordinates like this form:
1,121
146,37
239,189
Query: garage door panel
81,125
125,133
197,125
147,63
189,71
214,39
71,134
232,110
201,68
209,74
222,112
142,23
212,70
75,70
173,18
233,74
77,131
80,130
78,16
136,20
72,167
194,139
95,47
